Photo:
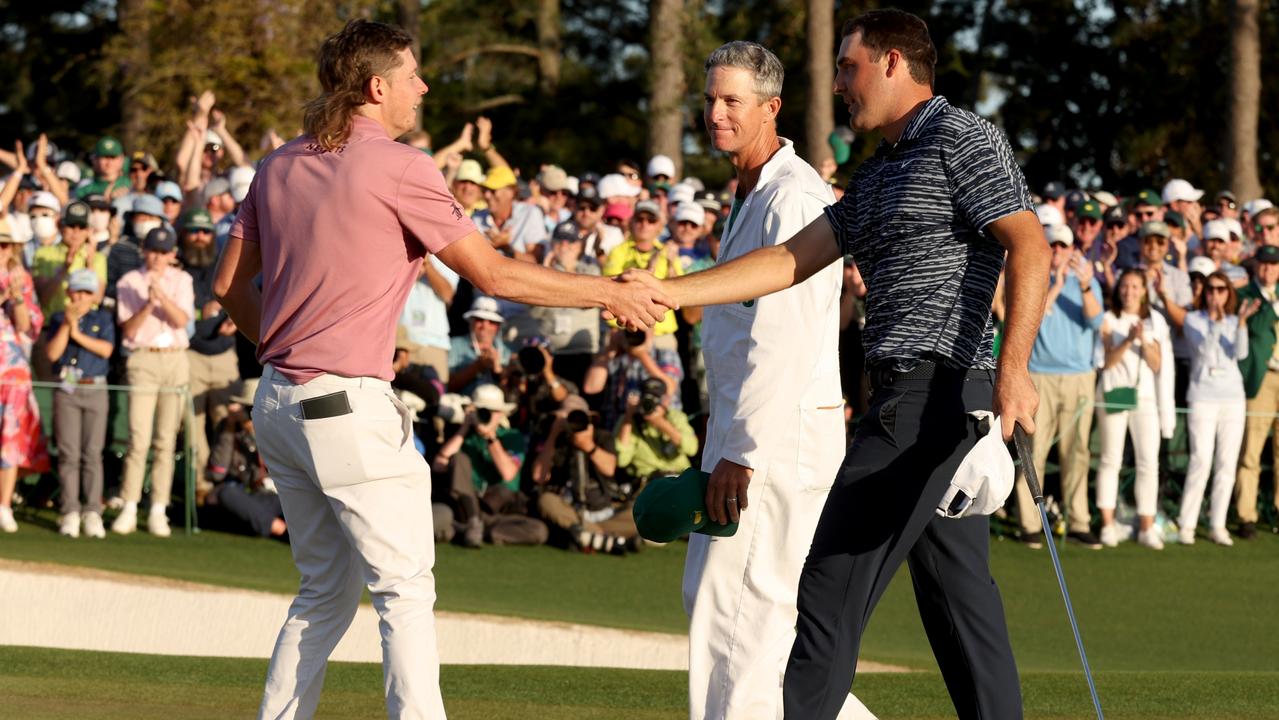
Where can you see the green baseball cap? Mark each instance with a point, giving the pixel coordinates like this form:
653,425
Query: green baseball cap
196,219
1089,209
1148,197
669,508
108,147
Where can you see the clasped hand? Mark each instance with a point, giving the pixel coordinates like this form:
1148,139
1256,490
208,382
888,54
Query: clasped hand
639,300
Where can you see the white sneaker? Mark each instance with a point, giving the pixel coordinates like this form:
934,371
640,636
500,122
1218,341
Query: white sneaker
158,524
93,525
1220,536
126,522
1109,535
1151,538
7,523
1186,535
69,525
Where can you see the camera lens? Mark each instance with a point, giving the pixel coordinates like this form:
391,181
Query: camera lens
649,403
484,416
531,360
578,420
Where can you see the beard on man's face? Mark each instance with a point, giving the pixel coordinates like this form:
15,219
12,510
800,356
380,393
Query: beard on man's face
199,255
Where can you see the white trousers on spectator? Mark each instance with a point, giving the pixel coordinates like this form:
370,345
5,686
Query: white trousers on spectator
1143,425
740,591
357,498
1216,433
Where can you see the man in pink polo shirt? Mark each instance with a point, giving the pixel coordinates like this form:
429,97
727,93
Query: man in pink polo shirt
337,223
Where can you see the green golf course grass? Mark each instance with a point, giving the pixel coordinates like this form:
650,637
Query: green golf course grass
1200,608
39,684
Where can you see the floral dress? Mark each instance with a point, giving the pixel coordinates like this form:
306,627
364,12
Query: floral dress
22,443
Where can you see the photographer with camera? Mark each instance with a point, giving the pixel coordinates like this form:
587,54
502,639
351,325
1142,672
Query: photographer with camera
652,438
575,471
242,498
572,334
622,367
482,460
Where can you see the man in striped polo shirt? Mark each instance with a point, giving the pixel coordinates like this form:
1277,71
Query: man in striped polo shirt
928,220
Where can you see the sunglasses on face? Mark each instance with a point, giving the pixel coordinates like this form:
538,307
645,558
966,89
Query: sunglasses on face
139,169
1089,221
615,222
1115,226
1218,289
645,220
485,321
588,207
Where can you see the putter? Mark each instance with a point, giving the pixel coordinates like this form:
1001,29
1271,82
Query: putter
1024,455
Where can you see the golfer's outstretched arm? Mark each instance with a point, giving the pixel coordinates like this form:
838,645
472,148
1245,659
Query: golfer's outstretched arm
757,273
495,274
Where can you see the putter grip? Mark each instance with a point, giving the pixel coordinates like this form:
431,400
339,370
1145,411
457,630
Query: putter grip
1022,442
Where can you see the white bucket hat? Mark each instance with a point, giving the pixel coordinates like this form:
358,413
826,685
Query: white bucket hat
491,397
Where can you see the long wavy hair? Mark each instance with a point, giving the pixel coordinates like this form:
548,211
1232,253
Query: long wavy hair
345,64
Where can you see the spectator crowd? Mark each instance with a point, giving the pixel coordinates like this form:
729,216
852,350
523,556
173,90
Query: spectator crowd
542,424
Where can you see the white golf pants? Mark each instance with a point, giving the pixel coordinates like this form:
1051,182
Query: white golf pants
1143,424
357,499
1216,434
740,591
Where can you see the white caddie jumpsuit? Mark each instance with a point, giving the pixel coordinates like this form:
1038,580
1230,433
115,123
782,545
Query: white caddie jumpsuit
776,406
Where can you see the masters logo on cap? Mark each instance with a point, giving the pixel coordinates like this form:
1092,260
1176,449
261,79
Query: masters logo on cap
108,147
669,508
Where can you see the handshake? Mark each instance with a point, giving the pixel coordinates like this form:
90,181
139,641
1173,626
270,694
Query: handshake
638,300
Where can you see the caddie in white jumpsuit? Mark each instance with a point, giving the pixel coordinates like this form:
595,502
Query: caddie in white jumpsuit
775,408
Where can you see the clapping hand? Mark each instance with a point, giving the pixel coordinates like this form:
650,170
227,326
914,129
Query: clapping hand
1247,309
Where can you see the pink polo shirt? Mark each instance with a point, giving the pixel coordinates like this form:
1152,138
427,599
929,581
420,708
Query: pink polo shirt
342,235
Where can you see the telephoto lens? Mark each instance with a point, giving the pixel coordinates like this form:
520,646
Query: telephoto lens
578,421
484,416
531,360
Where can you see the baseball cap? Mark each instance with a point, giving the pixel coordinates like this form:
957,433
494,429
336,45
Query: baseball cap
148,205
1105,199
681,193
500,177
1216,230
1227,195
690,212
160,239
1147,197
661,165
45,199
6,231
84,280
99,202
1054,190
709,201
142,157
485,308
1268,254
985,476
1075,198
588,194
1050,215
1175,219
240,178
215,187
1115,214
669,508
648,206
619,210
1154,227
1252,207
196,219
1202,265
69,171
567,231
168,190
1089,209
553,179
1059,235
108,147
1235,227
1178,189
614,185
28,182
469,171
76,214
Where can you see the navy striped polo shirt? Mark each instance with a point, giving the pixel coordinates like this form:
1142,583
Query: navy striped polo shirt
914,217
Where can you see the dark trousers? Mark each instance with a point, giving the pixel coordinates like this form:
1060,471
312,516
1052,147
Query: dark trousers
881,512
